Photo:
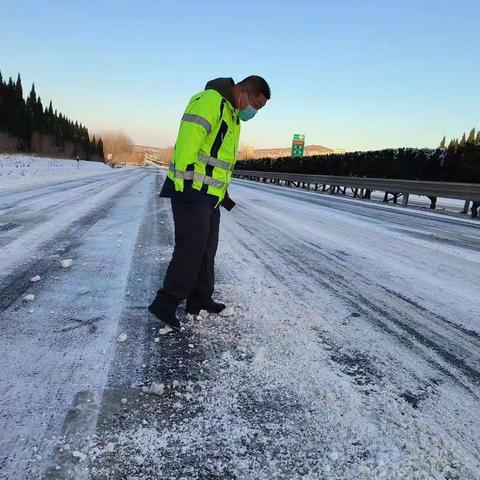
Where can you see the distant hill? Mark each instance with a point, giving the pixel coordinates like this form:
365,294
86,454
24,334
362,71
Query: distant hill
251,152
164,155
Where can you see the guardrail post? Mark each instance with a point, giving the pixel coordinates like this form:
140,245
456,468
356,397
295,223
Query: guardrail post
475,206
405,199
433,202
466,206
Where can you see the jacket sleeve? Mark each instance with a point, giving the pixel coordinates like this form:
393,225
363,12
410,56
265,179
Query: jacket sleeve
200,118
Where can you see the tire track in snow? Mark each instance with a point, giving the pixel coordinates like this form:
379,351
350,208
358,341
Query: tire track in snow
22,221
335,276
51,188
16,283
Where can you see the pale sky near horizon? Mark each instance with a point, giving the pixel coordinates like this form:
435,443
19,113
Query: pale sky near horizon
348,74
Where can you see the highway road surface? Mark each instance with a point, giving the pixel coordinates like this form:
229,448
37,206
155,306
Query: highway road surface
352,349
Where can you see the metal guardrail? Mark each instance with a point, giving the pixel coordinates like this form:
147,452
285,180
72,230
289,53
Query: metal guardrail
157,163
460,191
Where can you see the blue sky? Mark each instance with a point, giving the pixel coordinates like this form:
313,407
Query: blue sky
349,74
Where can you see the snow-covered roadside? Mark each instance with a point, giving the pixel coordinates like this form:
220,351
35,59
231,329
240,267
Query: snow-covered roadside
26,170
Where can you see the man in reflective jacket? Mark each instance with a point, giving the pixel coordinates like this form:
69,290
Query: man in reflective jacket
197,182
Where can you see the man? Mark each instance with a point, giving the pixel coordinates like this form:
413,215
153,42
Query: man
197,183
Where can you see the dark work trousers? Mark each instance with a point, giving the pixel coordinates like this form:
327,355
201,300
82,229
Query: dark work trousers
190,274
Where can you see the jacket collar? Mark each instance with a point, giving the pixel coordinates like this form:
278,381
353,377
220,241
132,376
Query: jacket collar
224,86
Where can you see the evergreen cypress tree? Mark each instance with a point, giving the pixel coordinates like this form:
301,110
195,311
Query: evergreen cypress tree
477,140
442,143
10,106
100,148
32,98
49,120
471,137
18,87
463,141
39,116
3,125
20,129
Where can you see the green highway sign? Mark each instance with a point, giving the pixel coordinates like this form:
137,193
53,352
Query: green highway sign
298,144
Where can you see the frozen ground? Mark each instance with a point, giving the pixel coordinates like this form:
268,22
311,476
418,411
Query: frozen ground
26,170
352,352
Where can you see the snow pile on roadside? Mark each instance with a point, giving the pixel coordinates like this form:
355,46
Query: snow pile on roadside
22,170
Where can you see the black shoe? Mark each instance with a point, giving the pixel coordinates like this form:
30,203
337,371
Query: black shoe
193,307
164,308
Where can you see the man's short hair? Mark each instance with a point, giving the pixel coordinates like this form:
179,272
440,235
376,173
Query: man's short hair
256,85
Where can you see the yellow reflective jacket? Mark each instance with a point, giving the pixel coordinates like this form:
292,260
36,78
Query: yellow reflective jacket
207,143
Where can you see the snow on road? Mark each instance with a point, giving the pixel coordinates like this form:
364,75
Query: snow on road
25,170
352,351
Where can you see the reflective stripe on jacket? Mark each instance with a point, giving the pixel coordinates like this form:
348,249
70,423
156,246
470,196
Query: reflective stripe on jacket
207,142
